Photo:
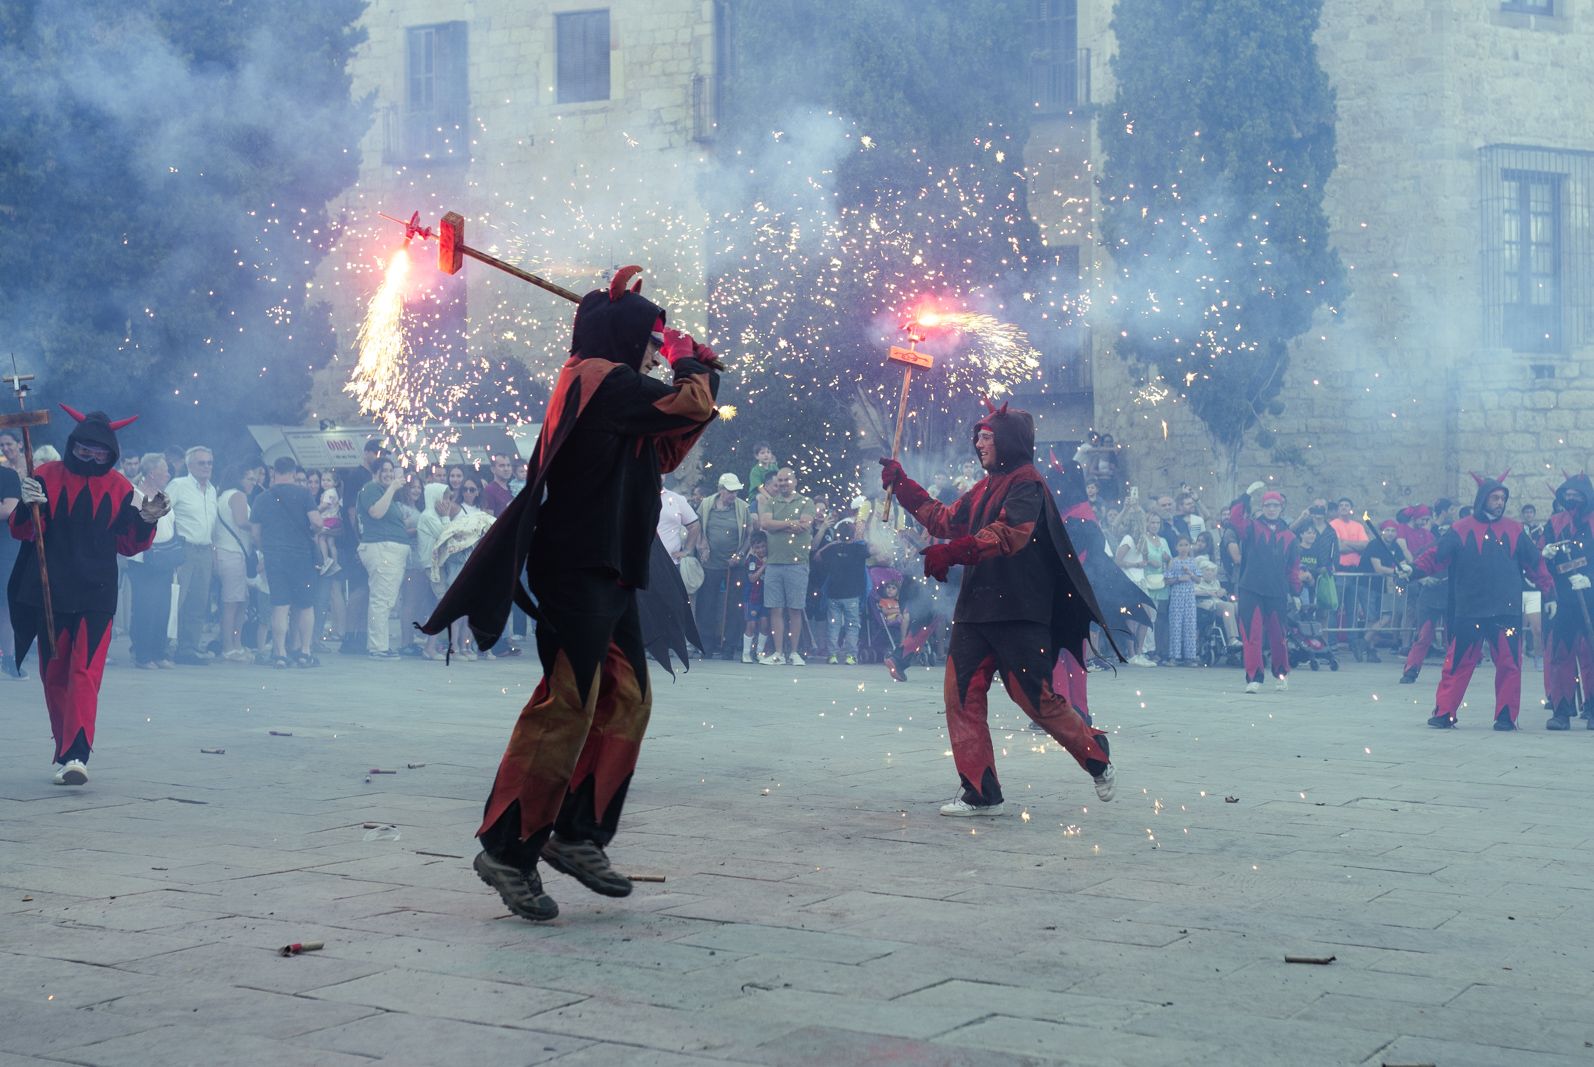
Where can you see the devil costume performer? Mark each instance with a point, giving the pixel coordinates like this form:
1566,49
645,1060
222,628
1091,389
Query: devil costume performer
1565,544
1427,599
1120,599
89,516
582,533
1024,596
1270,573
1487,557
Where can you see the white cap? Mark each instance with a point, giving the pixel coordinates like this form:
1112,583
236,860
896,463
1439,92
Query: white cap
731,483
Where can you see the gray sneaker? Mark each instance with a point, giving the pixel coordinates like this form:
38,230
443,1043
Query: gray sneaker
587,864
521,891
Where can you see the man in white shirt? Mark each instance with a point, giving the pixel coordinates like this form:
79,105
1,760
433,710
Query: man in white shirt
193,498
678,528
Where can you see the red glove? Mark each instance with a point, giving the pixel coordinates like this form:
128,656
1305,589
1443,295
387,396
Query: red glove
894,480
677,345
707,356
939,559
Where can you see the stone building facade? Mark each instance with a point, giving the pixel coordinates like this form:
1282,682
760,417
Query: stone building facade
1461,205
569,134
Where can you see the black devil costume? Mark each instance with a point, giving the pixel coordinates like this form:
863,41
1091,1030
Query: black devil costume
1565,545
1487,556
1024,597
1120,599
89,517
1269,574
582,534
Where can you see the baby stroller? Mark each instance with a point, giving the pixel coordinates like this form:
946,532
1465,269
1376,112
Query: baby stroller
1304,638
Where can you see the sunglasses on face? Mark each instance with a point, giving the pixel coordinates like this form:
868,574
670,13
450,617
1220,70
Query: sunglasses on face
91,453
472,489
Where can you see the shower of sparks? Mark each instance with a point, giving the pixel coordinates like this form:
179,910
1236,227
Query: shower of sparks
378,381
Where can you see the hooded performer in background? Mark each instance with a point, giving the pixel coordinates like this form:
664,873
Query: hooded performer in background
1024,597
1269,576
1565,544
1120,599
582,534
90,515
1487,557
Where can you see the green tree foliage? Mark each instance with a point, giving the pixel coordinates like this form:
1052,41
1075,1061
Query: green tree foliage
941,98
1217,147
164,167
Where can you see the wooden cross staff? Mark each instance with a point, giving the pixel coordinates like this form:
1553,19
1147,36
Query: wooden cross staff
24,420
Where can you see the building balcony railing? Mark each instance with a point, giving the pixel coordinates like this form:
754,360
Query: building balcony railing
1060,82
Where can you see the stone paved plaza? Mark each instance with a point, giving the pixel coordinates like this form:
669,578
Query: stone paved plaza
813,907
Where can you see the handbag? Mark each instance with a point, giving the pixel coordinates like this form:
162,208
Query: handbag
251,562
1155,580
691,573
166,555
1327,592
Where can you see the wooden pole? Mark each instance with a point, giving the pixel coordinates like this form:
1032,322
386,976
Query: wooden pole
902,414
22,420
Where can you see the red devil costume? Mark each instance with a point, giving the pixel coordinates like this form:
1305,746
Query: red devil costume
582,534
1119,598
1270,573
89,517
1565,544
1024,596
1427,599
1487,557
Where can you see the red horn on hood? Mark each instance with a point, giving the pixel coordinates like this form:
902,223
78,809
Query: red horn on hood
76,414
1504,475
1056,464
989,407
617,287
1477,478
119,423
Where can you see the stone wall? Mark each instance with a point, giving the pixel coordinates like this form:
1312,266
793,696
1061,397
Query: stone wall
1394,399
569,191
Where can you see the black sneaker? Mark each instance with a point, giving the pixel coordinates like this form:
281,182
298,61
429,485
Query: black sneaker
1442,722
1408,678
1372,656
521,891
1503,723
587,864
1559,722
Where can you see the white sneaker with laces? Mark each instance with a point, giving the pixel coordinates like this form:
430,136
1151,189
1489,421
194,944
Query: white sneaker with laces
772,659
71,773
747,657
1106,784
1283,683
1141,660
795,660
1253,687
961,808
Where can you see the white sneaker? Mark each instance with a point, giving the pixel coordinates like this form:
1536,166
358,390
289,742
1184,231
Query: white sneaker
747,657
772,659
963,809
1253,687
1283,683
794,660
1141,660
73,773
1106,783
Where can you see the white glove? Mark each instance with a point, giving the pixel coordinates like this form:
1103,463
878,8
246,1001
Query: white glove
1403,570
1549,610
1579,582
1550,550
1082,453
154,507
1253,487
33,492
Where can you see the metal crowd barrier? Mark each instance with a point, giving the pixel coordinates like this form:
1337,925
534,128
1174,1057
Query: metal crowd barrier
1372,602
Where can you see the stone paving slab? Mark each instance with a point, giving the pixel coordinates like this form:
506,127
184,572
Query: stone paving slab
816,908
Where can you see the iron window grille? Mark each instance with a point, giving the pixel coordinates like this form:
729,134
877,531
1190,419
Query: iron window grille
582,42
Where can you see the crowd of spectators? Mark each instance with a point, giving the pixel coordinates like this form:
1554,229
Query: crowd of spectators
277,566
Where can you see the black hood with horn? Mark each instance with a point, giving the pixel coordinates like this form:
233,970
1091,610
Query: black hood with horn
616,323
1576,483
1485,487
96,429
1014,432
